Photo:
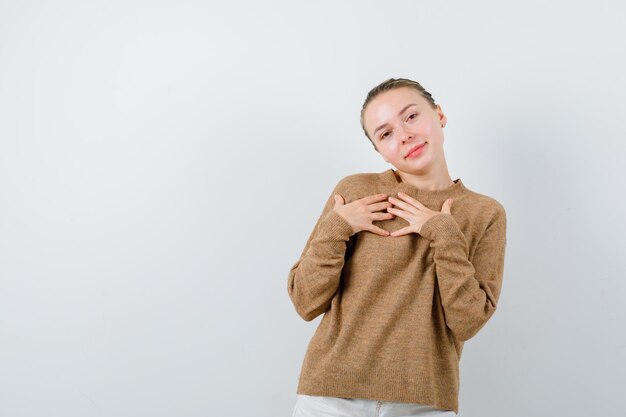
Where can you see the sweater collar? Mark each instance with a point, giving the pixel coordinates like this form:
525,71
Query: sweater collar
455,190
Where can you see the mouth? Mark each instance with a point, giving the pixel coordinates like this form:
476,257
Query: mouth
413,150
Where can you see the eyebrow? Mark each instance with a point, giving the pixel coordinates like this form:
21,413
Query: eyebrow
399,113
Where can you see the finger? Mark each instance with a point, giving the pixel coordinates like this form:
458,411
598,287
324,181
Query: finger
411,200
379,206
338,200
445,208
397,212
382,216
401,232
373,198
404,205
377,230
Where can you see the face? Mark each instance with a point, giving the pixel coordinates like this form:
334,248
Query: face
400,119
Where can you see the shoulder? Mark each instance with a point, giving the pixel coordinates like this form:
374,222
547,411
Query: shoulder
487,214
354,186
361,180
485,204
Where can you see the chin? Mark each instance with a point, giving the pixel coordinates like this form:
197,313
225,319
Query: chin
417,168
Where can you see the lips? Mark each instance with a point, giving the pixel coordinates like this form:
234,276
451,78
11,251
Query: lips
413,149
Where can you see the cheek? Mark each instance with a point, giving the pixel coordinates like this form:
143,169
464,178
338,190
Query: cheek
391,147
426,128
388,151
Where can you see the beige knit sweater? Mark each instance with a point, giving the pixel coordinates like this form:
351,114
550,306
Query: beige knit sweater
397,310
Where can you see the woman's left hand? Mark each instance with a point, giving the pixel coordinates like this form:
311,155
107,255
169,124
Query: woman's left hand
413,212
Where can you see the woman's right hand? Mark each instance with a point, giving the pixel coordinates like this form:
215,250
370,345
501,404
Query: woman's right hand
361,213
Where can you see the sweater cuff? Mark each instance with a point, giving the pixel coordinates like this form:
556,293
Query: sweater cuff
440,225
335,226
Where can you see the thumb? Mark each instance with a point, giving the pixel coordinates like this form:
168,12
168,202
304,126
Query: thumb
445,208
338,200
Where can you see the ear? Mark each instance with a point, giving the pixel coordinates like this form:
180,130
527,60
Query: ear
443,120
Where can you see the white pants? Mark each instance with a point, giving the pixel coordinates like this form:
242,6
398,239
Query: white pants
318,406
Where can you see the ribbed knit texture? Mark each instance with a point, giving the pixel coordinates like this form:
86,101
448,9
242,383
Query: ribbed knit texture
397,310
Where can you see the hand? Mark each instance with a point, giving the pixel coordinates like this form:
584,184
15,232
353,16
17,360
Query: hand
414,212
360,213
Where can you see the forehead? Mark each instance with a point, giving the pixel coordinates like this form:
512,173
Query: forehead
387,105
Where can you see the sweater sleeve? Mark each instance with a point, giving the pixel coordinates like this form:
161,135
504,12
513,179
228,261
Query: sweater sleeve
469,289
315,277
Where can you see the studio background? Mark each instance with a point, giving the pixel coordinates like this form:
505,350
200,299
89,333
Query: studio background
162,164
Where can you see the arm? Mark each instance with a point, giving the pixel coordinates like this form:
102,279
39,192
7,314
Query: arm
315,277
469,290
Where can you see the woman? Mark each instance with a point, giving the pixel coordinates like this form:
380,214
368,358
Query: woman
406,265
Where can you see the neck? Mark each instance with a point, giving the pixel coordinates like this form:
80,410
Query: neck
428,182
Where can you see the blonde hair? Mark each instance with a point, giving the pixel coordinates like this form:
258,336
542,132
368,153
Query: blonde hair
391,84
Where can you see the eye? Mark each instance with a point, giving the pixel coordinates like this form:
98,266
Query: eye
412,116
384,135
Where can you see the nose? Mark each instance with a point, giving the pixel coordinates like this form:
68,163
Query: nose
405,134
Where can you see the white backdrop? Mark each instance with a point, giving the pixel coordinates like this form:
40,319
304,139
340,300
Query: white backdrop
162,164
